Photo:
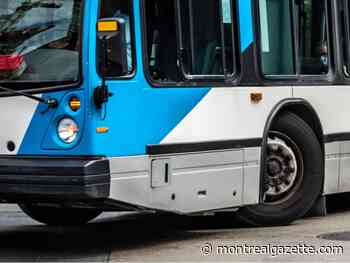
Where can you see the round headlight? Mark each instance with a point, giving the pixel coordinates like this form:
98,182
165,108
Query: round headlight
67,130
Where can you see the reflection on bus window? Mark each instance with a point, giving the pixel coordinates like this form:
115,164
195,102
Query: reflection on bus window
226,11
39,40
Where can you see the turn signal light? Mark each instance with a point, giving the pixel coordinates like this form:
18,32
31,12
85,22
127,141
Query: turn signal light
74,104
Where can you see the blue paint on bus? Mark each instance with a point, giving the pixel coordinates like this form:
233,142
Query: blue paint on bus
137,114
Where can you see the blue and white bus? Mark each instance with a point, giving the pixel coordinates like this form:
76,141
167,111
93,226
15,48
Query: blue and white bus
180,106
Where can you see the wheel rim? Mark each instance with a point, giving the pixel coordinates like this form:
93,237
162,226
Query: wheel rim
284,168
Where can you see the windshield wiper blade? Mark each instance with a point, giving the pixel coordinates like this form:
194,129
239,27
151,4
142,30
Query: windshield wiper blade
50,102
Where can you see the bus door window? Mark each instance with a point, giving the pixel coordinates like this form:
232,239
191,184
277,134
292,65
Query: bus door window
293,37
161,40
190,39
206,41
120,9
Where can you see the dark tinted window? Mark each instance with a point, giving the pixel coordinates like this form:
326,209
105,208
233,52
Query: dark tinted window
276,37
190,39
206,28
312,35
162,47
294,37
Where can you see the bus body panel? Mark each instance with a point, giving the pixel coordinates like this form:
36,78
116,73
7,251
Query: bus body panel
228,114
332,168
198,182
139,115
19,109
331,104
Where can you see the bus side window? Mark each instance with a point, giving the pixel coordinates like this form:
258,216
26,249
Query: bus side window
293,37
276,37
313,39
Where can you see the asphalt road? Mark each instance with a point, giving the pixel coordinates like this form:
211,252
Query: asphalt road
140,237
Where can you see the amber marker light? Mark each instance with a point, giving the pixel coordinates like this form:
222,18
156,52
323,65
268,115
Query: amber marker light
102,130
74,104
107,26
256,97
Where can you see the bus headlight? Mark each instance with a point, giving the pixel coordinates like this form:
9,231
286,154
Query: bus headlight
67,130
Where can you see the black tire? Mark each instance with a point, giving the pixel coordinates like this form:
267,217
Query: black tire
306,191
56,216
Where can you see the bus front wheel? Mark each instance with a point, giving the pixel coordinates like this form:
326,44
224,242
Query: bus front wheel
57,216
293,174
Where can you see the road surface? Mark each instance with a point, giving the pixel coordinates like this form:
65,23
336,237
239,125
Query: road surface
117,237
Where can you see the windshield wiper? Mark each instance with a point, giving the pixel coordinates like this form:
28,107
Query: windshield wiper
50,102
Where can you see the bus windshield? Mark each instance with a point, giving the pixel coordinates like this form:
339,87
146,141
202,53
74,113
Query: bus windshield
40,40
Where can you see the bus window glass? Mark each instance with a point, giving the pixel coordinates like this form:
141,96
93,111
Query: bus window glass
119,9
226,11
312,35
227,37
276,37
162,48
264,27
293,37
40,41
203,40
190,39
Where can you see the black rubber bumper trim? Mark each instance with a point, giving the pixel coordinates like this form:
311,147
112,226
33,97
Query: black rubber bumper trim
337,137
202,146
62,178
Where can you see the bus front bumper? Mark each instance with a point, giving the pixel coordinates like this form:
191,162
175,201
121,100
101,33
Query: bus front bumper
66,179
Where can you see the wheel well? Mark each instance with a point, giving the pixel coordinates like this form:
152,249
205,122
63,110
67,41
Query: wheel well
306,112
309,116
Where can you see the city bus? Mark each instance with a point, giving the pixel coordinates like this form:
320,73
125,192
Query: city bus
179,106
